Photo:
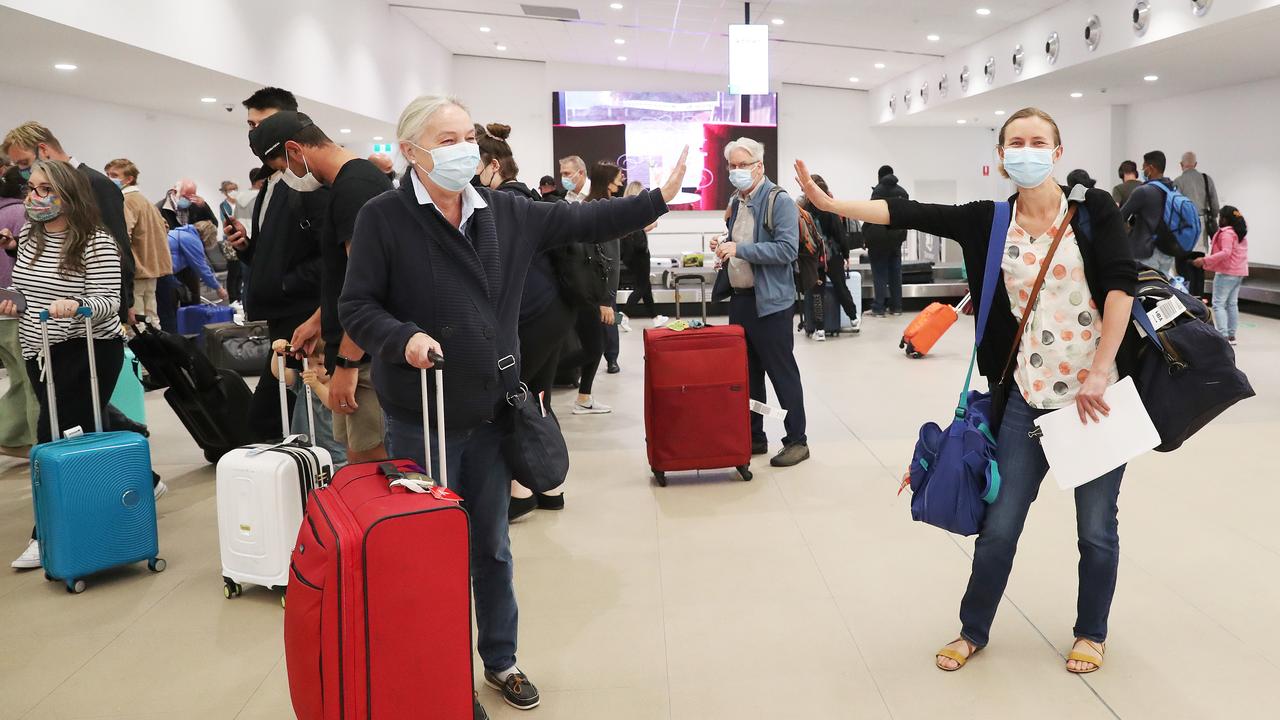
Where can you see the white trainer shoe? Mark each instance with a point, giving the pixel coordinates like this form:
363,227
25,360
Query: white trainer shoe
660,321
29,559
595,408
160,489
820,335
625,323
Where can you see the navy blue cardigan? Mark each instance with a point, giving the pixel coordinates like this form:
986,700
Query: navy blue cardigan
406,275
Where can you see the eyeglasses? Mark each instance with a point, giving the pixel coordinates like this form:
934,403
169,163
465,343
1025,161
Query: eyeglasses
40,191
743,166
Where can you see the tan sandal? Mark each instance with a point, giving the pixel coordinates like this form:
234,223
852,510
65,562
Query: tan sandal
950,654
1094,659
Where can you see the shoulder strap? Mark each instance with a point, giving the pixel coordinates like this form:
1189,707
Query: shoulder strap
1035,289
774,192
991,274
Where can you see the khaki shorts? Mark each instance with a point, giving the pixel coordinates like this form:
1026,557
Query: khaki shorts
362,430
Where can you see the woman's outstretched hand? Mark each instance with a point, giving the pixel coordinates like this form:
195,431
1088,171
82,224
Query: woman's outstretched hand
672,186
820,199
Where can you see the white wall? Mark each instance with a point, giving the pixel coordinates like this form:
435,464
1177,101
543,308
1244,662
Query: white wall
1231,130
354,54
165,147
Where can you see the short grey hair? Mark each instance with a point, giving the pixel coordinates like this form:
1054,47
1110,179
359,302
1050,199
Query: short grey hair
1189,158
754,148
575,161
416,116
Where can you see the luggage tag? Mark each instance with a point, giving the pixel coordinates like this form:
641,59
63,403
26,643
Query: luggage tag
1165,312
768,411
76,431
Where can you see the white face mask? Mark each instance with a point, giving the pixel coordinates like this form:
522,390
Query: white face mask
233,194
453,165
306,183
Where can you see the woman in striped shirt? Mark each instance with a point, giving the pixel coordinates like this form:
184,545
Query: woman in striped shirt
66,259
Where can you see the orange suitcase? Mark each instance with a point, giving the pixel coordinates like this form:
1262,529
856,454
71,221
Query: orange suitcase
919,337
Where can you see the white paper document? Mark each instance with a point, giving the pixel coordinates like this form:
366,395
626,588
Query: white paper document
1078,453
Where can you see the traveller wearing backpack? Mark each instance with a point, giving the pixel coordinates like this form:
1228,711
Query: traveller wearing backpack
1164,223
1065,357
1229,260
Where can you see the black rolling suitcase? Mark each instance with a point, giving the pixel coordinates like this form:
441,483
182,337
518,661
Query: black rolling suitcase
212,403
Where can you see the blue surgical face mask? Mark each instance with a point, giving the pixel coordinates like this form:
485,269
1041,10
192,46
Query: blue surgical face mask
454,165
1028,167
741,178
568,184
25,173
119,183
183,203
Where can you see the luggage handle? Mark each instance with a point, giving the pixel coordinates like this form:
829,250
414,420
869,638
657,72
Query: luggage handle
437,363
284,403
677,278
87,314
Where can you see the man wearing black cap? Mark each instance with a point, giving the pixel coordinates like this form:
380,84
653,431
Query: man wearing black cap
282,250
549,189
311,160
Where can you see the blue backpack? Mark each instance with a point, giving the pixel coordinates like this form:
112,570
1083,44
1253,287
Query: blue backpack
1181,220
954,475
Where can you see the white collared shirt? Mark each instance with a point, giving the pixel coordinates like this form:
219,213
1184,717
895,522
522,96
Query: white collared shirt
471,200
577,197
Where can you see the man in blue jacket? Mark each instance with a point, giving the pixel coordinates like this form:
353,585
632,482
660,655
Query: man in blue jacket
758,252
187,250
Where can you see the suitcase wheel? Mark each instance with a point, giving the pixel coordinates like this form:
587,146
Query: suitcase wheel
660,477
282,600
48,577
745,472
75,587
213,456
231,588
156,565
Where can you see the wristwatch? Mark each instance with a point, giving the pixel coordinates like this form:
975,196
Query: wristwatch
343,362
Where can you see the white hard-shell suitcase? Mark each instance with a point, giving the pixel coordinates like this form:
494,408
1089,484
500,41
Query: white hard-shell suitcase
262,490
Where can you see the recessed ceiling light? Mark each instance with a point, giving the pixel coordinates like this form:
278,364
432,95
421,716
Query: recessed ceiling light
854,80
778,21
616,6
500,48
1077,95
208,100
64,66
984,11
1151,78
485,28
879,66
961,121
345,131
622,58
933,37
377,137
619,41
999,112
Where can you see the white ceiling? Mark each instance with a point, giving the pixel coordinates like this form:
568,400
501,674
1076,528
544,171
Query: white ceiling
119,73
1233,52
822,42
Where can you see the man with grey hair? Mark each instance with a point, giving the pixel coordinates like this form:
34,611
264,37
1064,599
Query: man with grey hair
757,253
573,177
1199,188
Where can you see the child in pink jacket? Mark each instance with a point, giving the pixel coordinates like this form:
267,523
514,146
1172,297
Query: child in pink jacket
1229,259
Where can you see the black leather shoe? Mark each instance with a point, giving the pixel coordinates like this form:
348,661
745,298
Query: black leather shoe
760,448
550,502
520,507
516,690
613,369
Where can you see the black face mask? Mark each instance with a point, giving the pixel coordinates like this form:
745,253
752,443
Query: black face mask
475,181
618,193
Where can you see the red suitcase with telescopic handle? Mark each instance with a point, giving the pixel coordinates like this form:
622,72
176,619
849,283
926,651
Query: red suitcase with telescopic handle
378,620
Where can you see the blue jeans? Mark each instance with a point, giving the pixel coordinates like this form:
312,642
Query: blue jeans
1161,261
886,275
1226,303
323,435
1022,468
479,474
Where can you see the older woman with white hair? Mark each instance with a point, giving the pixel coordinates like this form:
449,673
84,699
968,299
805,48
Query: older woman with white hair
438,266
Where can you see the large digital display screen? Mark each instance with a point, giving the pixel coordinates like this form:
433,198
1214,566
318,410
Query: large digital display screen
643,132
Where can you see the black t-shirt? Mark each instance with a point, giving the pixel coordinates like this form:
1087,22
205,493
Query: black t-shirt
358,182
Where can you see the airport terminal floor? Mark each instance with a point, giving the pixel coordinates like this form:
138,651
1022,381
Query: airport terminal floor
805,593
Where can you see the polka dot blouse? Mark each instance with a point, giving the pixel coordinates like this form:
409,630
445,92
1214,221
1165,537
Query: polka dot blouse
1065,328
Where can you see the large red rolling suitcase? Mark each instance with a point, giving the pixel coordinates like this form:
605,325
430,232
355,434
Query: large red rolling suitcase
697,402
378,620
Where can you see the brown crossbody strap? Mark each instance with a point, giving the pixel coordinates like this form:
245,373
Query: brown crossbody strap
1035,290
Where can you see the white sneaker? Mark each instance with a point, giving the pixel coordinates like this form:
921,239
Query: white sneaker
855,325
160,489
820,335
660,321
29,559
595,408
624,323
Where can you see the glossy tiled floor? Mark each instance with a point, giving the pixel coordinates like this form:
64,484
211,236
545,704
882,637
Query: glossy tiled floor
806,593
